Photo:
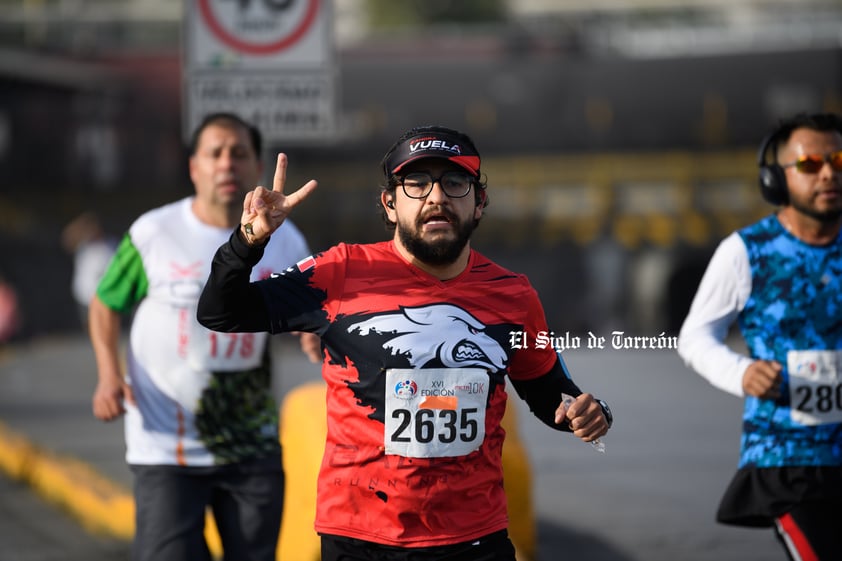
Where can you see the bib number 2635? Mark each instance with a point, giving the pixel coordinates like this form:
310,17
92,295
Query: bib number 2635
435,412
424,427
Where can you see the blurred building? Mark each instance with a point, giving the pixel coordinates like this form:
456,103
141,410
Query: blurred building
619,137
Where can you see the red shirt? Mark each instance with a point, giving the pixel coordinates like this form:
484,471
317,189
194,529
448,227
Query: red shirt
451,343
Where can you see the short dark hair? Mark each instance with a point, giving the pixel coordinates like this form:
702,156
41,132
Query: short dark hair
822,122
227,119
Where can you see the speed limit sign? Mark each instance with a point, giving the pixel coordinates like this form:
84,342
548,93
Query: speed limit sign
272,27
270,61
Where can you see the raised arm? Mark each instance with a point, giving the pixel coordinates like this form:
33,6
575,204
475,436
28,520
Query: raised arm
229,302
264,211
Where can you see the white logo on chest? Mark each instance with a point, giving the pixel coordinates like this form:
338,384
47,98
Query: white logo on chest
442,332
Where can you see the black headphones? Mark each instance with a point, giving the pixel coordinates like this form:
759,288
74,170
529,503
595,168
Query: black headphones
390,204
773,184
771,175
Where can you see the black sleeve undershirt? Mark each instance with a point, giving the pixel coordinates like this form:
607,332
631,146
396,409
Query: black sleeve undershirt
543,394
229,301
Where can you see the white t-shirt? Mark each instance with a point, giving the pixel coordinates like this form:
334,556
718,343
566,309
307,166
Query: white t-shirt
179,370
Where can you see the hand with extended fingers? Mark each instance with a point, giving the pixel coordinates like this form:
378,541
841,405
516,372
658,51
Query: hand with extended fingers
264,211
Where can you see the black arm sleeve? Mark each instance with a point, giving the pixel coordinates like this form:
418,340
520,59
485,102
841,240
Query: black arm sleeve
229,302
543,394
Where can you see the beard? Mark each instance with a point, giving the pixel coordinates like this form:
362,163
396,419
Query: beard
438,252
825,216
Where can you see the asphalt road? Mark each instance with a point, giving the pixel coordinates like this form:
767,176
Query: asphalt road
32,529
650,497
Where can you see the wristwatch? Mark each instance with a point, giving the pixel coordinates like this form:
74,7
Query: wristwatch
607,412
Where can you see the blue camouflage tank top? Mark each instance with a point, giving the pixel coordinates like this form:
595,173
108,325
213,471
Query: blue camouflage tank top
794,316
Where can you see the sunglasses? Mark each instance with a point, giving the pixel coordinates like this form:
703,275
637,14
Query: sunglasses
812,163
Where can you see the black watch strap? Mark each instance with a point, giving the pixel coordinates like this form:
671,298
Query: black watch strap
609,417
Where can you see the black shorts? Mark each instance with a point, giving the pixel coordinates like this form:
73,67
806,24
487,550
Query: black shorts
493,547
756,497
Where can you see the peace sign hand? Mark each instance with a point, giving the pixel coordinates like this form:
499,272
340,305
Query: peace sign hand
264,211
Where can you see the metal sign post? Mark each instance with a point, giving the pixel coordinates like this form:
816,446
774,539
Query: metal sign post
270,61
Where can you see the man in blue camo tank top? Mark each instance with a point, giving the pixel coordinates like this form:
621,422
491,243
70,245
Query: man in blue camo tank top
780,280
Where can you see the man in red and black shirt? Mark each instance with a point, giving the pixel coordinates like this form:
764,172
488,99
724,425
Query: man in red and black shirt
417,335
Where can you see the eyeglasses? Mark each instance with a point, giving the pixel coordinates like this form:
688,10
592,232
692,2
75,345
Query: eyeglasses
455,184
813,163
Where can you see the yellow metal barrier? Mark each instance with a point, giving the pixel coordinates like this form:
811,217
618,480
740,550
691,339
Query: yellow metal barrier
104,506
303,432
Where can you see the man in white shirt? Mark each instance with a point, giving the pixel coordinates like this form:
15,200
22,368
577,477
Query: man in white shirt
201,423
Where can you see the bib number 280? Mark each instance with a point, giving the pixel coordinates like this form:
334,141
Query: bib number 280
452,425
821,399
815,382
